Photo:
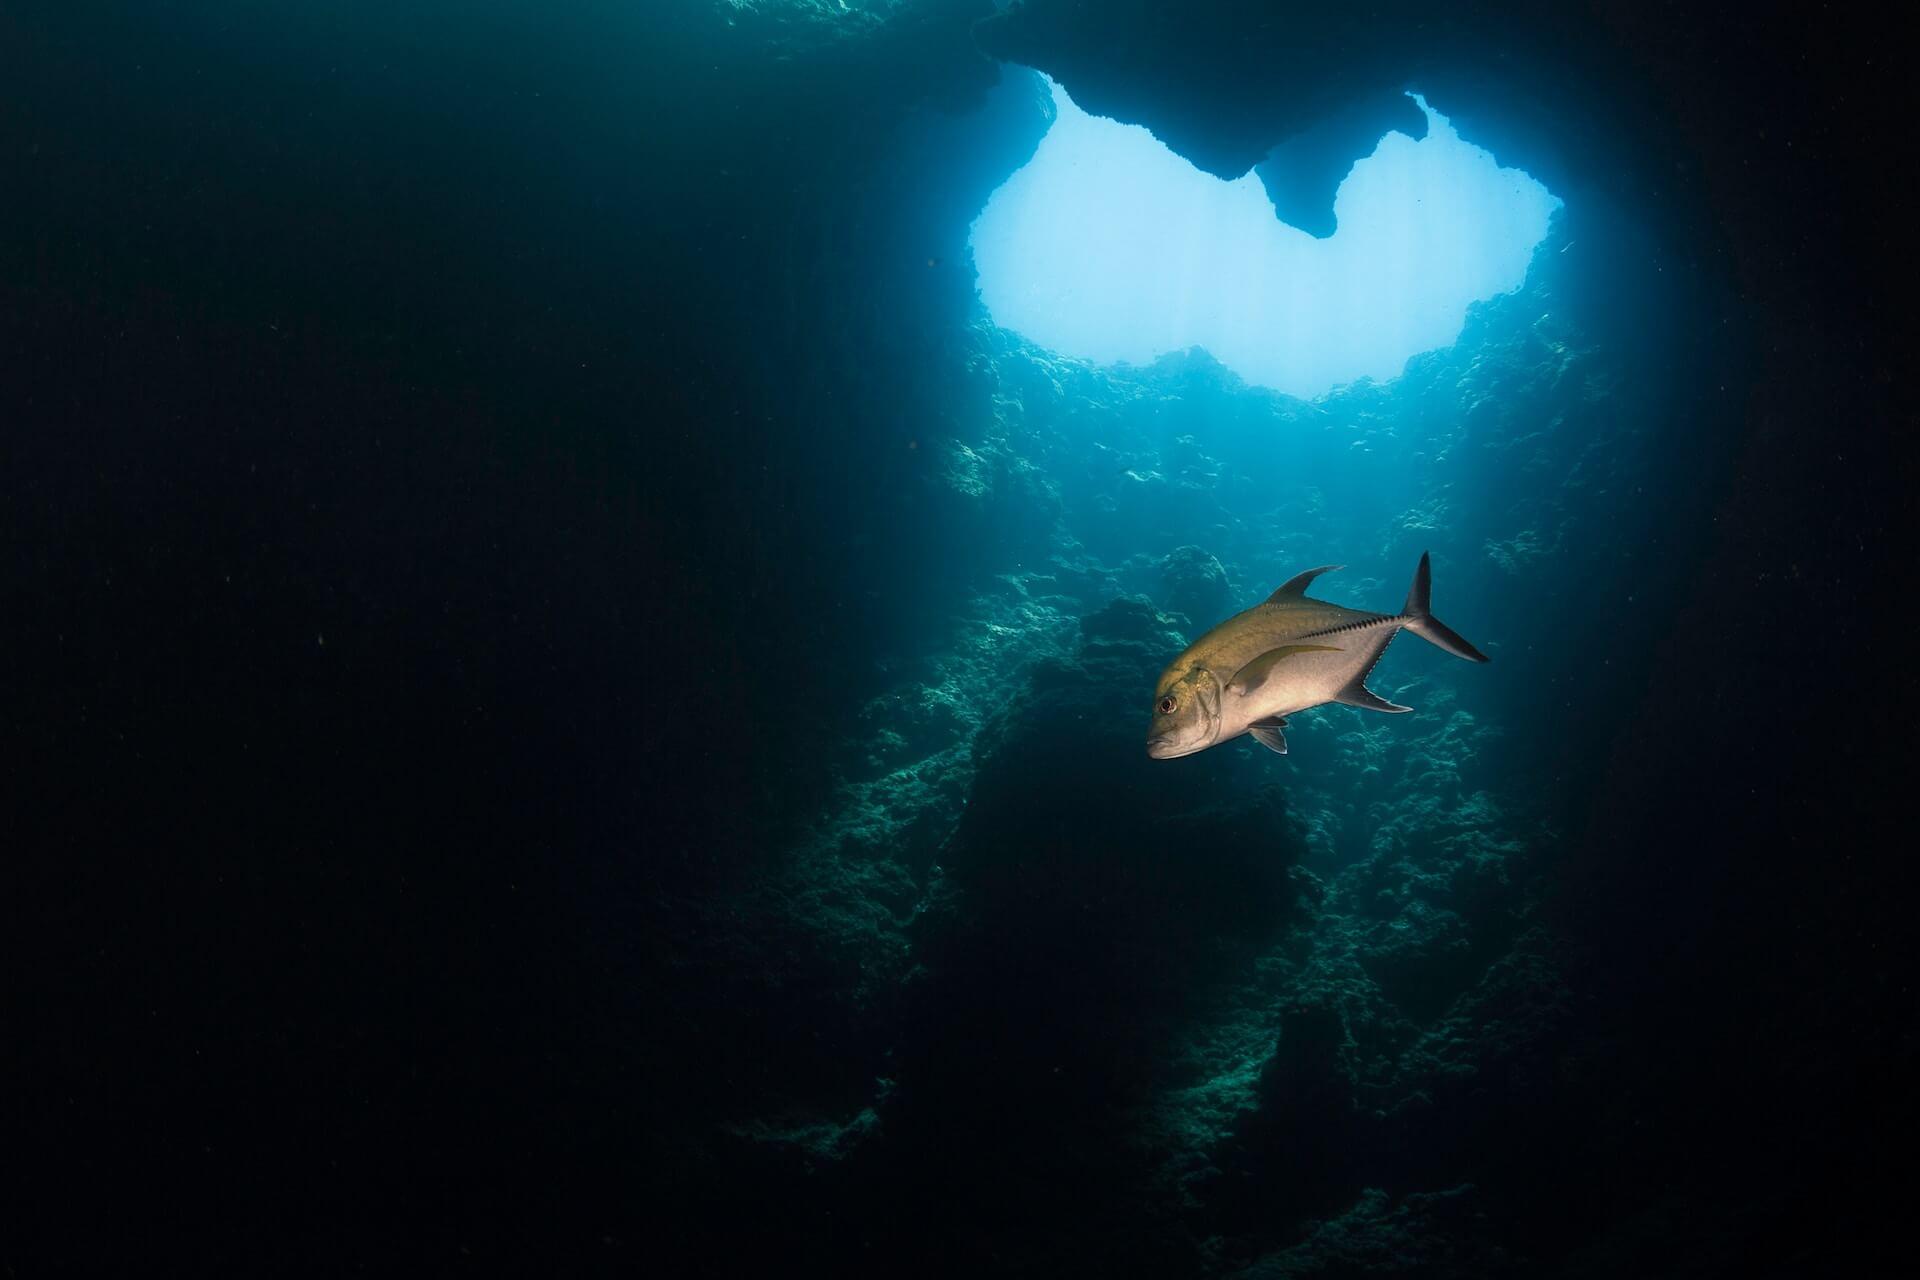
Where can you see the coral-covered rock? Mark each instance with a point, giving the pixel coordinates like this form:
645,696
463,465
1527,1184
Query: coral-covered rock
1194,582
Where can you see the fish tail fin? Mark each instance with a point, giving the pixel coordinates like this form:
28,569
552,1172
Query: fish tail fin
1420,620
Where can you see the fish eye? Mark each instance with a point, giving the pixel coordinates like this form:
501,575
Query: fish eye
1167,705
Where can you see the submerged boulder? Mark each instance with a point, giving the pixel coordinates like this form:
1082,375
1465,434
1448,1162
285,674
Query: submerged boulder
1066,801
1094,890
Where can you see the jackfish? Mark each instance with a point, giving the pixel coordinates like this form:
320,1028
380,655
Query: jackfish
1251,672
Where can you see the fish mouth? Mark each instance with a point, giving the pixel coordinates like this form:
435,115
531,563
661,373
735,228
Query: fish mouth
1160,747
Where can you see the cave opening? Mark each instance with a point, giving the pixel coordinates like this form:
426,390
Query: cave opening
1110,247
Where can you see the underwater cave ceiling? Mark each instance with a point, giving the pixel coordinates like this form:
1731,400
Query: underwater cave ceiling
1300,92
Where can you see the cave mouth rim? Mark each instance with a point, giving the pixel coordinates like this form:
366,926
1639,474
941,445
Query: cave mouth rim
1533,224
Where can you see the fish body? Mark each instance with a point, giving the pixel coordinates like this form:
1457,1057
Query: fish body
1286,654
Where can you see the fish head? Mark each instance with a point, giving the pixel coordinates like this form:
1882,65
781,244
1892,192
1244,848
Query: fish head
1186,714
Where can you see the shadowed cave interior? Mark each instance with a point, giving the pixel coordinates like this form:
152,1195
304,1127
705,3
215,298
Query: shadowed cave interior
716,833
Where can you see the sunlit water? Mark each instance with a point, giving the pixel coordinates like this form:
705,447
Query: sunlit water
1110,247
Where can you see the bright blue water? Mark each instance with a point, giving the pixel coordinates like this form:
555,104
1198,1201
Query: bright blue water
1110,247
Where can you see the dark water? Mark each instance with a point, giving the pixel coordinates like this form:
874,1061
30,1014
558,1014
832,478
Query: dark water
571,703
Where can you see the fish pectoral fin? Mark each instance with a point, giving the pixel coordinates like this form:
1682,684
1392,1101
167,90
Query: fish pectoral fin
1267,734
1358,695
1255,673
1296,587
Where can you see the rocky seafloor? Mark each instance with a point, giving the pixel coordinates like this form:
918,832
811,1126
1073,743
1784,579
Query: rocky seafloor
1265,1011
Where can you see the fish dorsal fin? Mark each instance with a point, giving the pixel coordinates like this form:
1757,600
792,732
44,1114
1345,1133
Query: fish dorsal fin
1255,673
1296,587
1267,734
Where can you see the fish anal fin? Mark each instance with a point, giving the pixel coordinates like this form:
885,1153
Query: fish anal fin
1268,734
1296,587
1358,695
1255,673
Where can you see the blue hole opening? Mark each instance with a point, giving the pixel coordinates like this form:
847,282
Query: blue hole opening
1109,247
